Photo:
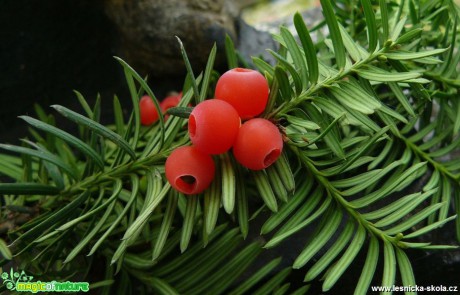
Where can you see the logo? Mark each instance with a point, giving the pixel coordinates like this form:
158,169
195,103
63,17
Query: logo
21,282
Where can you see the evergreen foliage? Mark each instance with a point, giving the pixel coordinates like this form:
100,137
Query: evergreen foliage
370,114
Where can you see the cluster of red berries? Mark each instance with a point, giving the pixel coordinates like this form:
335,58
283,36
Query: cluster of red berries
215,127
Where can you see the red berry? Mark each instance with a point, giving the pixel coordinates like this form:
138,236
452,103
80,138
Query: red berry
148,111
213,126
245,89
188,170
259,144
170,102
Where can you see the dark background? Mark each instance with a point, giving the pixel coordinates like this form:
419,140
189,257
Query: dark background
47,49
50,48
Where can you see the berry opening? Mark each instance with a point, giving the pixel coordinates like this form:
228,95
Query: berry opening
187,183
271,157
192,125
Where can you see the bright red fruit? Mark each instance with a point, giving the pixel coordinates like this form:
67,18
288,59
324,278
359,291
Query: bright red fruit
259,144
170,102
245,89
213,126
189,171
148,111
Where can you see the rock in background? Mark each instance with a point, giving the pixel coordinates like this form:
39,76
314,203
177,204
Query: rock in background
147,29
258,22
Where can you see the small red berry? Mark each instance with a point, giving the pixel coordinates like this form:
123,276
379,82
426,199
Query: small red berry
148,111
245,89
189,171
259,144
213,126
170,102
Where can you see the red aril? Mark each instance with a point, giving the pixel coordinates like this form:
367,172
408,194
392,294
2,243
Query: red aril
258,145
148,111
170,102
213,126
188,170
245,89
